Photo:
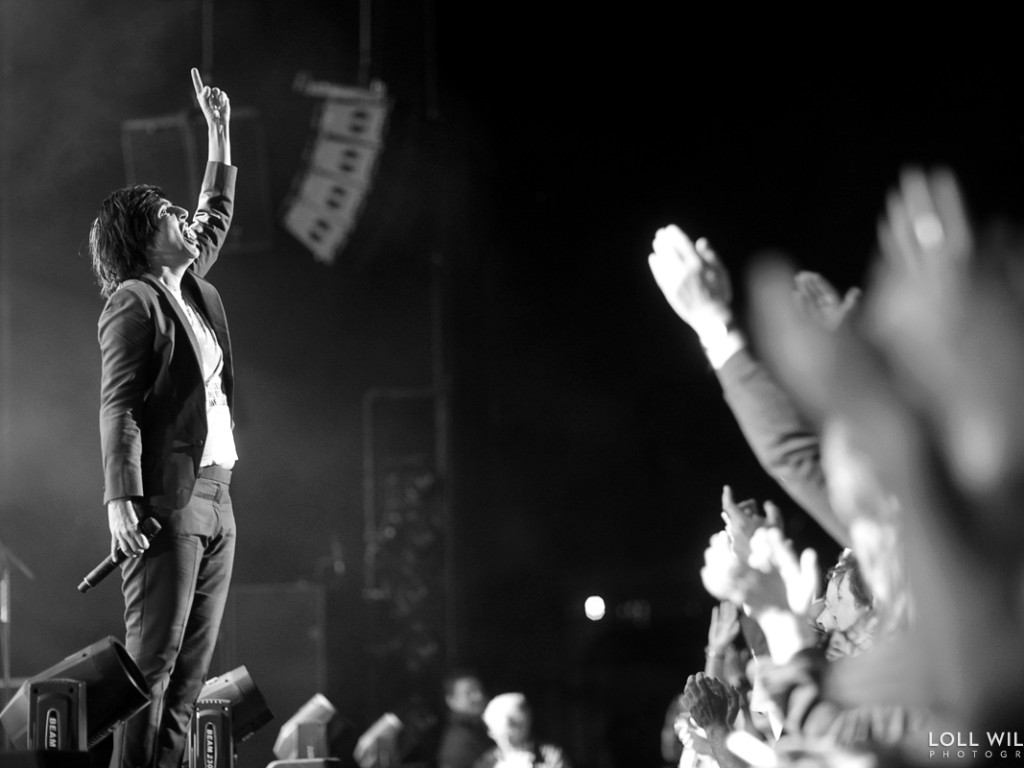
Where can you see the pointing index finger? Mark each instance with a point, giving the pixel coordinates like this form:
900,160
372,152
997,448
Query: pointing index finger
197,81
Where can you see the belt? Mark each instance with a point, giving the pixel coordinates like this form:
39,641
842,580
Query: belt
215,473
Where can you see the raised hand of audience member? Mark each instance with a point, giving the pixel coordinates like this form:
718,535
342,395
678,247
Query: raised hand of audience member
920,291
742,519
736,580
725,575
926,229
775,587
820,302
697,287
711,702
771,553
723,630
724,627
713,707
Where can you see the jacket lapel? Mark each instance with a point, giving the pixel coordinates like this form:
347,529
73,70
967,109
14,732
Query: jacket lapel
179,314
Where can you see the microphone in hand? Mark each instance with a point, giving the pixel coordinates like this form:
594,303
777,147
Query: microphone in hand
148,527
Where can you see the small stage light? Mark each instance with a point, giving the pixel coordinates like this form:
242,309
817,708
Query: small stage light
249,712
308,733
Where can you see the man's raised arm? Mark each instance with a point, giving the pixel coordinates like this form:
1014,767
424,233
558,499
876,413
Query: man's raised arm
697,286
216,108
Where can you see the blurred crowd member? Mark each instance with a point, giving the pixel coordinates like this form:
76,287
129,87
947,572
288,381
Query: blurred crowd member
465,737
926,387
777,589
510,723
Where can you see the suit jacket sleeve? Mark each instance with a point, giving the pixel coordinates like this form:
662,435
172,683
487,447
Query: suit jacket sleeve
213,213
126,333
785,444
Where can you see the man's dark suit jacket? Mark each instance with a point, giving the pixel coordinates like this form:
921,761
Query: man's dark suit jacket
152,396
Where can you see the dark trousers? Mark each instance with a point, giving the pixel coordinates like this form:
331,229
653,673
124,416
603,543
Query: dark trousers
174,597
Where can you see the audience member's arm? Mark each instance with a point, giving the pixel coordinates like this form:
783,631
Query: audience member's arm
724,627
697,287
784,441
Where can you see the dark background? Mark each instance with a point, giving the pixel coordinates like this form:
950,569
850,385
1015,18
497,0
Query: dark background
532,153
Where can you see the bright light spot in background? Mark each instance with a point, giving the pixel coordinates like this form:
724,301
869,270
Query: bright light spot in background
594,608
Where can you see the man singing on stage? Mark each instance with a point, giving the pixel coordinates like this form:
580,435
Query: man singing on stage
166,433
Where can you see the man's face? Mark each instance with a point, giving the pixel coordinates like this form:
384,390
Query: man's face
175,243
841,610
467,697
517,730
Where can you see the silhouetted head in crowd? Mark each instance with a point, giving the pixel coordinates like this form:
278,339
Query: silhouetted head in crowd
464,693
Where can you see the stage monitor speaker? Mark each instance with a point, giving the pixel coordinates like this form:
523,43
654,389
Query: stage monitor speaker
209,736
114,691
57,715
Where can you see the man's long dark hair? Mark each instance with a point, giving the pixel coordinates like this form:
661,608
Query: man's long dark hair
121,235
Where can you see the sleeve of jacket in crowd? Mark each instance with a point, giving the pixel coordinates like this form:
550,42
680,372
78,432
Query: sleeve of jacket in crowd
785,443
